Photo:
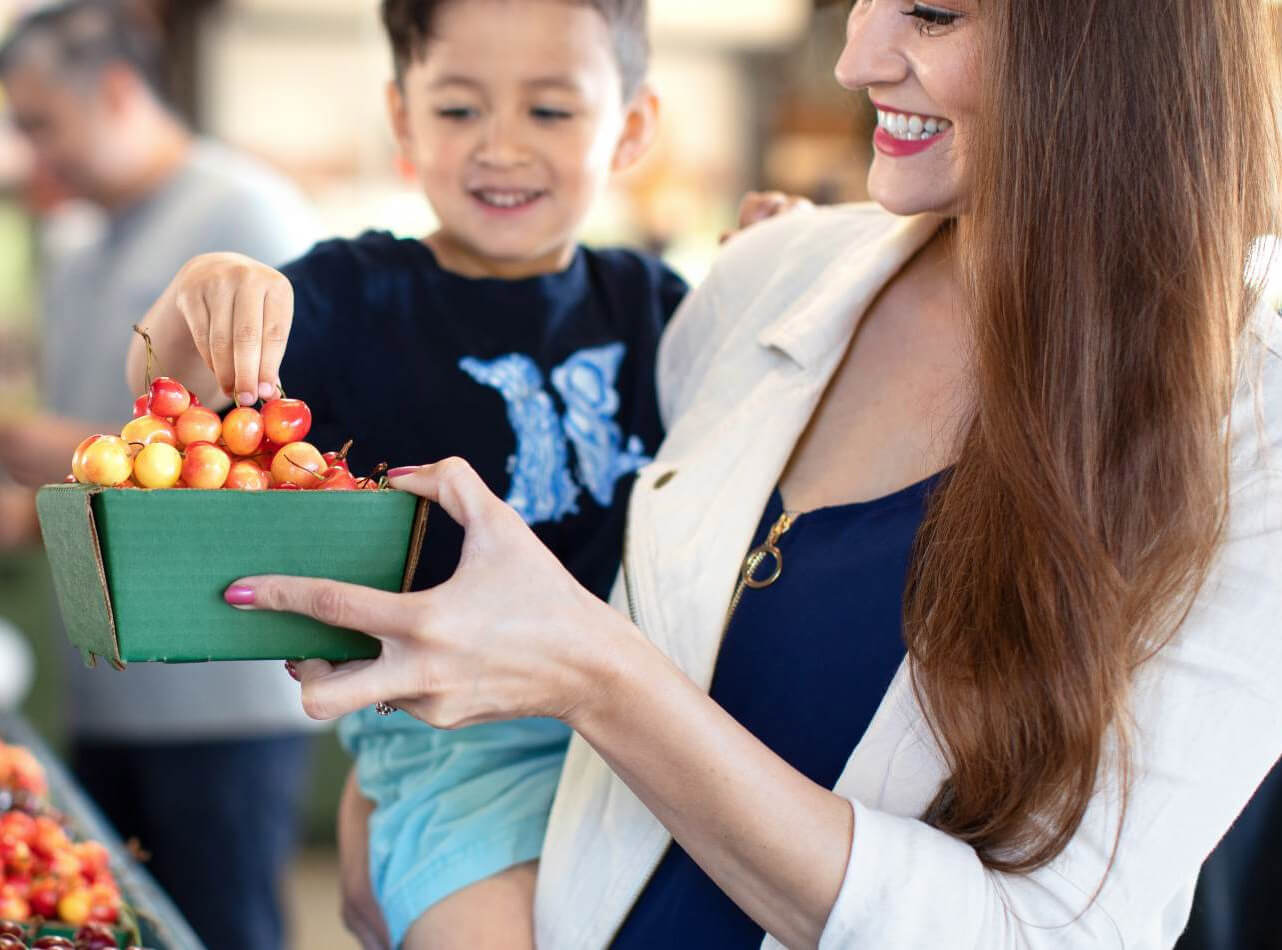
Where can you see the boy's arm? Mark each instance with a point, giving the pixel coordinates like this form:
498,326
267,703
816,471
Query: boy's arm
361,915
220,327
494,914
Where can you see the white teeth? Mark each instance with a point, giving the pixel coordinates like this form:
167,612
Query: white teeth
911,128
506,199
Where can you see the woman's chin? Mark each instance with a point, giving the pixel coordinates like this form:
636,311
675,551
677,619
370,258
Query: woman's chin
906,201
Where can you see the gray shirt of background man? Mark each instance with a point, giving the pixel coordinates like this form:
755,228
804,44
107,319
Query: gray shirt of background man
218,201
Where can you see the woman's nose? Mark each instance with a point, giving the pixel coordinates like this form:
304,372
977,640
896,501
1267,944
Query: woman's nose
873,55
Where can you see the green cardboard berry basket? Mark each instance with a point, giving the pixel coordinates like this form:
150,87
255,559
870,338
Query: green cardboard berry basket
140,574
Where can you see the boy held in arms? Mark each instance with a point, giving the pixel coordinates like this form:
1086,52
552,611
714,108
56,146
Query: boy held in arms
496,338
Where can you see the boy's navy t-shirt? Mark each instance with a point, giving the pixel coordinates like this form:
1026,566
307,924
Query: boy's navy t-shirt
545,385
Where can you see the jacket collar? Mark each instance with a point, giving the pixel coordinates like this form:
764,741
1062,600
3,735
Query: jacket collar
807,333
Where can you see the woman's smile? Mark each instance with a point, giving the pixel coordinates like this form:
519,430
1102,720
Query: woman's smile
900,134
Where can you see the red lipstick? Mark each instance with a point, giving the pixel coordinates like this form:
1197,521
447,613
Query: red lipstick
887,144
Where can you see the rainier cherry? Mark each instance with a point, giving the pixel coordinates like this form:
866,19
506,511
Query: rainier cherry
246,476
147,429
198,424
106,460
140,405
168,397
337,478
300,463
286,420
206,466
243,431
158,466
74,906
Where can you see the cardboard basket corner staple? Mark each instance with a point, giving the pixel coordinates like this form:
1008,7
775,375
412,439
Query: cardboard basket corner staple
140,575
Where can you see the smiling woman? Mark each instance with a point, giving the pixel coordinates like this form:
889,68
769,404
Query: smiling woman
967,511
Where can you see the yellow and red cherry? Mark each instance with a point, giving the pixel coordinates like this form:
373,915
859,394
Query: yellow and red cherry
300,463
140,405
45,892
337,478
286,420
147,429
168,397
206,466
103,460
158,466
198,424
74,906
244,475
243,431
77,459
286,486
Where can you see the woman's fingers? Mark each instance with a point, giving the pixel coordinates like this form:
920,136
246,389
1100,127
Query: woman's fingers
347,687
379,613
454,485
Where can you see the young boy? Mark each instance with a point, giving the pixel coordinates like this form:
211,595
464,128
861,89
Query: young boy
497,338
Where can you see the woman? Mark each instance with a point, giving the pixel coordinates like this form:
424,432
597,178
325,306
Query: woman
998,399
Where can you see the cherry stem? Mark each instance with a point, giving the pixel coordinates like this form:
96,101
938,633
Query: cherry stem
151,353
342,453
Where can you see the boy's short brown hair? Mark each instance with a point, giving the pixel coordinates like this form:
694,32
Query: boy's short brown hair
409,28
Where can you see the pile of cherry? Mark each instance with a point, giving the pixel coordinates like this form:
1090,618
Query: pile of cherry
46,875
175,442
14,936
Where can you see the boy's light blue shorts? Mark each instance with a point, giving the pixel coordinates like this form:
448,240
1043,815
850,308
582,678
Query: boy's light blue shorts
452,808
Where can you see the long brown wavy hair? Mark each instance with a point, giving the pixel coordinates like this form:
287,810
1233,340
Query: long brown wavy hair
1122,169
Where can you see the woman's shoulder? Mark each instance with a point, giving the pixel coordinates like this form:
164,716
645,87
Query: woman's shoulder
800,244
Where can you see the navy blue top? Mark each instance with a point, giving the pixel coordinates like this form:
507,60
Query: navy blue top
804,664
545,385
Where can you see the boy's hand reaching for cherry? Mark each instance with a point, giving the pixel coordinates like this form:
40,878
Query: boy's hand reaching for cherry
222,323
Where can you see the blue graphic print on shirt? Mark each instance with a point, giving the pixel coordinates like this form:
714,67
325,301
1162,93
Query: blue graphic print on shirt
542,489
585,383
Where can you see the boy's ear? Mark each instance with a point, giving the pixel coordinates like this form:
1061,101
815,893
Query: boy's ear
640,125
398,116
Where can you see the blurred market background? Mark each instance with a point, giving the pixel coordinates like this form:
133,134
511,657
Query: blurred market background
749,102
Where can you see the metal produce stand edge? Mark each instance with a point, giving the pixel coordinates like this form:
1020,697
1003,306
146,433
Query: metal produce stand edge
162,926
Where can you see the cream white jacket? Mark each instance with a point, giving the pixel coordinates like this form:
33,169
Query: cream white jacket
740,372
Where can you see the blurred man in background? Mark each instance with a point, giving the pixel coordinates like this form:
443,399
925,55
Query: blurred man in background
204,764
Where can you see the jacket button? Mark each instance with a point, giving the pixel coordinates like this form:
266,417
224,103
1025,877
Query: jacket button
664,479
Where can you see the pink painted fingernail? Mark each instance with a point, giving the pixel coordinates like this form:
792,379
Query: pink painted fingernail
292,670
238,595
246,398
266,390
403,470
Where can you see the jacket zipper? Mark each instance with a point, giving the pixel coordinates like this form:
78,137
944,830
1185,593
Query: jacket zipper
747,571
754,559
627,583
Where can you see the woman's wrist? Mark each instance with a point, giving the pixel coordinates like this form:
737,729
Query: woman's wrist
608,673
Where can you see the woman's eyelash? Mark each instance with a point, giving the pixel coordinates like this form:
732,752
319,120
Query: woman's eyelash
929,16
